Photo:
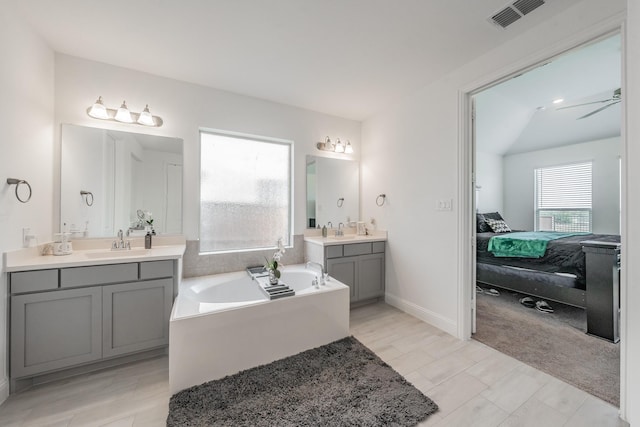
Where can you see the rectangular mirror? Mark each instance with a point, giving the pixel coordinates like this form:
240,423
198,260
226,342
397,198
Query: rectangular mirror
112,180
333,191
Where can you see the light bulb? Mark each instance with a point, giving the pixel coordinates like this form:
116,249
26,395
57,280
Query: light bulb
339,146
123,115
146,118
98,110
348,149
328,145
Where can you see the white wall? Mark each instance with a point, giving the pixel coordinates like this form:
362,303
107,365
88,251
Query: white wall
185,108
519,176
630,350
423,259
26,147
489,177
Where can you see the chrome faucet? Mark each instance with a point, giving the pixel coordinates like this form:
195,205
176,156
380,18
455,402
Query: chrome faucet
339,231
329,224
320,267
120,244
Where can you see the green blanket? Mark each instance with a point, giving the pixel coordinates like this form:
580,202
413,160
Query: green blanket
525,244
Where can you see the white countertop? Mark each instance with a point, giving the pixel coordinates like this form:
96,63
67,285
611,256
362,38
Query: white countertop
380,236
95,252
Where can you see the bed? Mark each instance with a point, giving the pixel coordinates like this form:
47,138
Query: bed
570,269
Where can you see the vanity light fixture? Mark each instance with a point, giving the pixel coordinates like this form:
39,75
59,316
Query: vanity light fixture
123,115
338,147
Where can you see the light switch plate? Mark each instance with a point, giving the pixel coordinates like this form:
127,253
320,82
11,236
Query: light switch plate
444,205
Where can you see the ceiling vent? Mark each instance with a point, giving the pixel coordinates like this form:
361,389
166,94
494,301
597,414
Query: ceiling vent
516,10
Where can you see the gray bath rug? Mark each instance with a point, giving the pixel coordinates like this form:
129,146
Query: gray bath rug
338,384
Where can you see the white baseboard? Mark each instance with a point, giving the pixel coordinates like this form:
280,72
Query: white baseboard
4,390
440,322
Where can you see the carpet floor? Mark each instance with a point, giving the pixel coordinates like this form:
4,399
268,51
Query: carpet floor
339,384
555,343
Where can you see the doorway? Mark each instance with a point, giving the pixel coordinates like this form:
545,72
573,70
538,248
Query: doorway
562,113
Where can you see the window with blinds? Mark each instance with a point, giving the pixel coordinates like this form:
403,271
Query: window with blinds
563,198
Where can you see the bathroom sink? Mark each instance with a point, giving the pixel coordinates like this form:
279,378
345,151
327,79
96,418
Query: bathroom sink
347,237
116,254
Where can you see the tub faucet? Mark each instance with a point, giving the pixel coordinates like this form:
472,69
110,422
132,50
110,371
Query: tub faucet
319,267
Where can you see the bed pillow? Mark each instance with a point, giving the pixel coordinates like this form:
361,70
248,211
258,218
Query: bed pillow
481,224
497,225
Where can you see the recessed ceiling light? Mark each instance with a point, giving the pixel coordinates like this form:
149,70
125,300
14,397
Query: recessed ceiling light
558,101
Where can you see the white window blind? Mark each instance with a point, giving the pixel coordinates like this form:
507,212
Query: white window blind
564,197
245,192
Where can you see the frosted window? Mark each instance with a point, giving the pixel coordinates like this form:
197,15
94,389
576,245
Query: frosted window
245,192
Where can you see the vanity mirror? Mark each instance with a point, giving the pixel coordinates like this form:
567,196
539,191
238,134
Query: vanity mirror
333,191
111,180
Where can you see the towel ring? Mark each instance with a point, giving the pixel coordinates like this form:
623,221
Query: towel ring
86,195
340,202
381,199
17,182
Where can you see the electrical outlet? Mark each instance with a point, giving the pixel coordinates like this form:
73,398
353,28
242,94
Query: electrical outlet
27,237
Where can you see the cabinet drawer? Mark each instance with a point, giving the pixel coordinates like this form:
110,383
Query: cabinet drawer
334,251
98,274
33,281
156,269
378,247
357,249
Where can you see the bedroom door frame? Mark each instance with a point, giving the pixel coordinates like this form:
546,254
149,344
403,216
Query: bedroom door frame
466,178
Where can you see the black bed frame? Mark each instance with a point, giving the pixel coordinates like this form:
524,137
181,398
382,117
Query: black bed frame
601,299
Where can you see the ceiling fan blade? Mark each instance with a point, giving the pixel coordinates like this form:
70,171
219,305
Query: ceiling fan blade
586,103
598,110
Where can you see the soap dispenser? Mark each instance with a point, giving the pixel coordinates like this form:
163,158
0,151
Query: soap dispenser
147,240
324,231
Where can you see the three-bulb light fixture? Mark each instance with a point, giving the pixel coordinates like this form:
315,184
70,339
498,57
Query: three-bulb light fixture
338,147
123,115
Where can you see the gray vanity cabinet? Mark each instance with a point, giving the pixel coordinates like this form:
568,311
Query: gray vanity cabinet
68,317
136,316
359,266
54,330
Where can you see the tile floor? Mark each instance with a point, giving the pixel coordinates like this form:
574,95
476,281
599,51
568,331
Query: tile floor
473,384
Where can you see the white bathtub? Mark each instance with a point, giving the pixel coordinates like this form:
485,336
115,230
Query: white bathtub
223,324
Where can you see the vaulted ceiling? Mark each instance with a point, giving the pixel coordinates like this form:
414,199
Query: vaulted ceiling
519,115
348,58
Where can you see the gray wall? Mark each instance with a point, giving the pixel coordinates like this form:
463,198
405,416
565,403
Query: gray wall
519,177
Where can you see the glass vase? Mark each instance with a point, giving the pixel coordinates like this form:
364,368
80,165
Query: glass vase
272,277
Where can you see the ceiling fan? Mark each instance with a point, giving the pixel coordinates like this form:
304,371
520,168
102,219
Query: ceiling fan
615,98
